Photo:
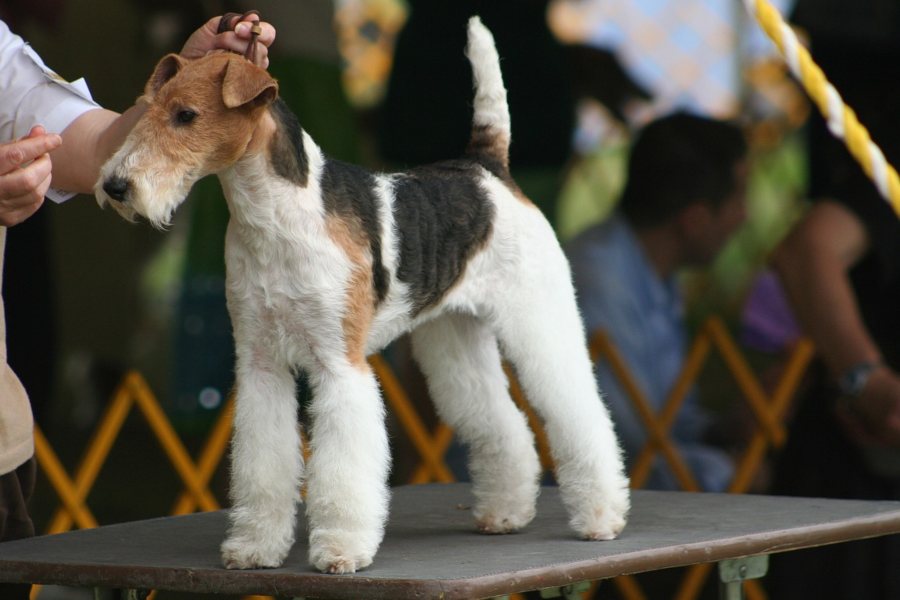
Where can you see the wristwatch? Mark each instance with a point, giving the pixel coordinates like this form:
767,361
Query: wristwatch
855,378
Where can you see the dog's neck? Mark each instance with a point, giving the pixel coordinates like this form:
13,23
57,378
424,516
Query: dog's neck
275,173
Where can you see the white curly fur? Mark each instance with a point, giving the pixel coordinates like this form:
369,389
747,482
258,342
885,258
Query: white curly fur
287,274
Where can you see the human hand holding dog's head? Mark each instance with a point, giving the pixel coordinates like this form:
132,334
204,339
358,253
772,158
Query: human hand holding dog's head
25,171
235,39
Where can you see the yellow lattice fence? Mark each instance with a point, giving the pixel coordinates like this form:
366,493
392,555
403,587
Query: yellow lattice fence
768,409
431,446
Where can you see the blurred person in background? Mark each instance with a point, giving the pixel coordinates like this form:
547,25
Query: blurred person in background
683,199
840,266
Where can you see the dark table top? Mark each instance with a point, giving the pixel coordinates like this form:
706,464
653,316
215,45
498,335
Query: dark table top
431,548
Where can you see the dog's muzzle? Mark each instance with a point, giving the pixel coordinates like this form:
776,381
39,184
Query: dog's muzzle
116,188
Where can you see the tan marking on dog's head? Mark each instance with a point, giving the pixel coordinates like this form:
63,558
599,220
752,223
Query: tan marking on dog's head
202,116
360,298
204,112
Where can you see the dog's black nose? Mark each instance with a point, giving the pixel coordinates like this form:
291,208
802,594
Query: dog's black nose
116,187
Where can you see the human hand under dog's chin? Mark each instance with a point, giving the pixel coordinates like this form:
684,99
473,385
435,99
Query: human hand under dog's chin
25,171
207,38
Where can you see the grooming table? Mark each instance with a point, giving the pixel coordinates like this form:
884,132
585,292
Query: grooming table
431,549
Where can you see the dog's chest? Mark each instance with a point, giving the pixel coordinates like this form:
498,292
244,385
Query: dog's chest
286,288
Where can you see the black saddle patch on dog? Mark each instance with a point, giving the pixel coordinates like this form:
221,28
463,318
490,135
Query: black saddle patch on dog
288,154
443,217
348,191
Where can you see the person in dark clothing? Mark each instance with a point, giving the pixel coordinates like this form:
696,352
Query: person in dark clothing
841,268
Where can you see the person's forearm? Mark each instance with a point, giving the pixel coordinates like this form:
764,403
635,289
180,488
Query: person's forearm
813,265
87,143
827,309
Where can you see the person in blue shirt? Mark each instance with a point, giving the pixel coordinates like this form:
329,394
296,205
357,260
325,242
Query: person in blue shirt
684,197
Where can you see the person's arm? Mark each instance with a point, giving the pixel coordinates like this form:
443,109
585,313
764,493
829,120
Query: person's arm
94,136
87,143
813,263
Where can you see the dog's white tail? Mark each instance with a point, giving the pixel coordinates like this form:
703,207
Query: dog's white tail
490,123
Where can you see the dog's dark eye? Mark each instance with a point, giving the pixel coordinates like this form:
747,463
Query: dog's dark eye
183,117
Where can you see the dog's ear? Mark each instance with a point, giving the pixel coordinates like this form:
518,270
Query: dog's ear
165,70
245,83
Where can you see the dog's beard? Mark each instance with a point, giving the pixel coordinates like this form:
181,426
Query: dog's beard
125,211
155,196
158,201
157,210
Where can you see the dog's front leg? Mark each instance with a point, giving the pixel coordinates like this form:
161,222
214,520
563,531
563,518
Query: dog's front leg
267,465
347,493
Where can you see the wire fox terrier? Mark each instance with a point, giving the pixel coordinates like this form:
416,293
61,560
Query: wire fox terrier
327,263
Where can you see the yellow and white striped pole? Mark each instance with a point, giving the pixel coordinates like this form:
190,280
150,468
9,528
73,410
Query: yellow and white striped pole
842,121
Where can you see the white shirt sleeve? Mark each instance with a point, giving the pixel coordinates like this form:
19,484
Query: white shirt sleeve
32,94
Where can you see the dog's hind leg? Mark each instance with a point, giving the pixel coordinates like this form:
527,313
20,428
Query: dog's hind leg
347,493
541,333
461,361
266,466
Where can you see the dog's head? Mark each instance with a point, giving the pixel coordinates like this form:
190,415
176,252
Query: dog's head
201,118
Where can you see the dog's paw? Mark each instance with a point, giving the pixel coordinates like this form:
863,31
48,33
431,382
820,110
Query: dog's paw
508,508
241,553
333,560
607,525
496,522
601,522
